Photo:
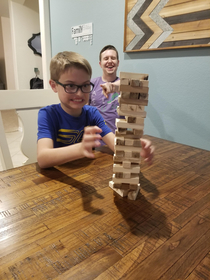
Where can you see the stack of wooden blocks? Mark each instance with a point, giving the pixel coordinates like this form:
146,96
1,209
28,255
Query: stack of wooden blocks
132,99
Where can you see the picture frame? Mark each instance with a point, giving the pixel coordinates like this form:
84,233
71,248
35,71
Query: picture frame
34,43
166,24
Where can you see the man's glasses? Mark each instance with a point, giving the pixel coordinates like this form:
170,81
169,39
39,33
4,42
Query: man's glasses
71,88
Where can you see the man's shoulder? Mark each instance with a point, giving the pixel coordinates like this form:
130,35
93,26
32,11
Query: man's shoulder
97,80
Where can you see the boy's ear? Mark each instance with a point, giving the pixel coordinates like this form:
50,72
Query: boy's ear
53,85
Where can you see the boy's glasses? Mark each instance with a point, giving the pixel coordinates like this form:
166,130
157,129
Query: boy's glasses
71,88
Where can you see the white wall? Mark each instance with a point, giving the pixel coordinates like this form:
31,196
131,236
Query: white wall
8,54
24,23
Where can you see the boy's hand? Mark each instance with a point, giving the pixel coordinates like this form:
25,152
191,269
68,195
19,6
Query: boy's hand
147,151
108,88
90,139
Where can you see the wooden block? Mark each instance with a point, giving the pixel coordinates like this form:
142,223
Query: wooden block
139,108
130,119
144,83
124,106
132,195
126,164
120,153
136,143
137,132
119,141
122,186
121,123
128,154
128,149
125,94
120,168
130,107
129,134
133,187
143,102
137,76
143,96
122,130
126,175
135,154
130,88
129,142
134,179
133,95
118,175
117,159
139,120
124,81
135,83
122,193
136,113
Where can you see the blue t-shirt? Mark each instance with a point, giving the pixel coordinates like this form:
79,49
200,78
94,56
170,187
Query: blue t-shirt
64,129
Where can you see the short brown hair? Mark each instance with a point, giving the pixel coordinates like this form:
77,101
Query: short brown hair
108,47
65,60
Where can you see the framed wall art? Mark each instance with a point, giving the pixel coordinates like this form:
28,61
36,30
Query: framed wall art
166,24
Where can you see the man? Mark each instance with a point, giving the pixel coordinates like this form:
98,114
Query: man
107,105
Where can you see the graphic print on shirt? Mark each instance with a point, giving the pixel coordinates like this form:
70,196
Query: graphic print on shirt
114,98
69,136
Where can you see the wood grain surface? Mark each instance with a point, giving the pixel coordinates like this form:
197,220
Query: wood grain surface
166,24
66,223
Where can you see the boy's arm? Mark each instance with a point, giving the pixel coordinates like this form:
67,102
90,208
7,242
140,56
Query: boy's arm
108,88
109,140
49,156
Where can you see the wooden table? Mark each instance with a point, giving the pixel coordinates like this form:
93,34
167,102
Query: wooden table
66,223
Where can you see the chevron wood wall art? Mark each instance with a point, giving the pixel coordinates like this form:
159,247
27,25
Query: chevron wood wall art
166,24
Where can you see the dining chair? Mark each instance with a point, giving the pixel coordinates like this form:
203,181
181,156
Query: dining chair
27,104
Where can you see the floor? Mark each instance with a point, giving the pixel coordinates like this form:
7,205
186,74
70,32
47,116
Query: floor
14,140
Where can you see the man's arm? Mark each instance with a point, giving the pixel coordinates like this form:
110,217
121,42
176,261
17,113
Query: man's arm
108,88
49,156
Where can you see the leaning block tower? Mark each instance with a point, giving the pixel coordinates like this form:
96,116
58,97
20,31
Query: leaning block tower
133,98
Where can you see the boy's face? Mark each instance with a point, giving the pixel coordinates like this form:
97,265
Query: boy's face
72,103
109,62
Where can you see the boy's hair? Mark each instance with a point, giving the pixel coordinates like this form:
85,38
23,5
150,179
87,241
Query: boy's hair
108,47
65,60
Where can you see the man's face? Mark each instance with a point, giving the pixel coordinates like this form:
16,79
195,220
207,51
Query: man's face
109,62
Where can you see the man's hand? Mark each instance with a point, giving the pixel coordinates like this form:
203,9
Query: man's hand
90,139
108,88
147,151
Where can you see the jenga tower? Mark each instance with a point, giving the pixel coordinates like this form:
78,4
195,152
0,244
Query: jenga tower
132,99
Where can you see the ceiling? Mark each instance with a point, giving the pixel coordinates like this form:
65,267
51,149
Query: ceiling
31,4
4,8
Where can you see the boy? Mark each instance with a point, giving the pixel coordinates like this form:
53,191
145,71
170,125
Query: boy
70,130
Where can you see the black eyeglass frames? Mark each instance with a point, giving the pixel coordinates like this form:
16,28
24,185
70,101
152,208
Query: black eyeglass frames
72,88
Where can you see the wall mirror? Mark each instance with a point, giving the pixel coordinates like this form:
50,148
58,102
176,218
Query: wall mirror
35,44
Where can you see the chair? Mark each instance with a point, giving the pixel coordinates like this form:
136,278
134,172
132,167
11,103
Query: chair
27,104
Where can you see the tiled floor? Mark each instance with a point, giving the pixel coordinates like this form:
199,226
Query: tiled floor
14,139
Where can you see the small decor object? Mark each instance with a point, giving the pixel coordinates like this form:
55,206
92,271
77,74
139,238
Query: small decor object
34,43
133,97
36,83
82,32
166,24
